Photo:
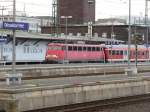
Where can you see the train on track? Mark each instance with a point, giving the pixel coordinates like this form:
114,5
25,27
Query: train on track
103,53
33,52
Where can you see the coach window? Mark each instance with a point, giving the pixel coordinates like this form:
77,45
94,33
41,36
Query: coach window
79,48
113,52
117,52
121,52
75,48
89,48
70,48
93,48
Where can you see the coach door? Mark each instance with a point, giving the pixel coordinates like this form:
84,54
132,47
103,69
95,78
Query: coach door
125,55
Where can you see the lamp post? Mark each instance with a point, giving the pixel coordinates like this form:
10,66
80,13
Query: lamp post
147,28
90,2
14,40
129,34
66,33
112,37
2,9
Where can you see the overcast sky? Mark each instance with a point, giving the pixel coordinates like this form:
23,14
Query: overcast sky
104,8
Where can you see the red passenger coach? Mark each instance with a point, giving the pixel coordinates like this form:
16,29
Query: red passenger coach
74,52
119,53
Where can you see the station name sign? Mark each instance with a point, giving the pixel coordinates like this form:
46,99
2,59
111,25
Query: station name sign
15,25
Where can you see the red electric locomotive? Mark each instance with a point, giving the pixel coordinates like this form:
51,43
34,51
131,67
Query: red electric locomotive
74,52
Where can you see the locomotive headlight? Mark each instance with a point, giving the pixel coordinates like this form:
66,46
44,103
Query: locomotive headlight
52,56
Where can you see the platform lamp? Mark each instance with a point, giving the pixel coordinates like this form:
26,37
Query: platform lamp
129,35
147,27
2,9
66,33
90,3
14,40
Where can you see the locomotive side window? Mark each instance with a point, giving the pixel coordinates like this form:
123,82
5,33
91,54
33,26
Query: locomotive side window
79,48
93,48
117,52
89,48
113,52
97,49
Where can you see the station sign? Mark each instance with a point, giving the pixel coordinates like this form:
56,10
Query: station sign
15,25
3,39
146,45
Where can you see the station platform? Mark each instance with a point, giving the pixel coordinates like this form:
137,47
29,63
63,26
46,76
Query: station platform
45,93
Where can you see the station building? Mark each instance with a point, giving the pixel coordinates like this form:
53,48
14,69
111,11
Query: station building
119,32
35,22
81,11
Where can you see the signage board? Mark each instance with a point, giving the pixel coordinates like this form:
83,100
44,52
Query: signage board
15,25
3,39
146,45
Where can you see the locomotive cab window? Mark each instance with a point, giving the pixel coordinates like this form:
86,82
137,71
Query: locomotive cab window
55,48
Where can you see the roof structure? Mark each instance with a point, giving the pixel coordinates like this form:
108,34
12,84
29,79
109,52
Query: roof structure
27,35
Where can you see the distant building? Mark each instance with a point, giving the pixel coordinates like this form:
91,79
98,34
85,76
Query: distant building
35,23
81,11
111,21
120,32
